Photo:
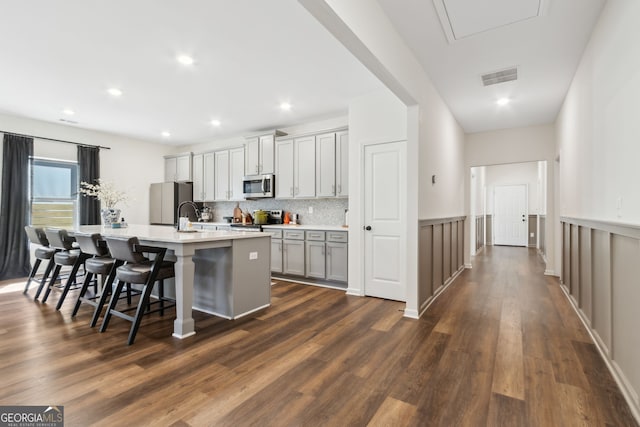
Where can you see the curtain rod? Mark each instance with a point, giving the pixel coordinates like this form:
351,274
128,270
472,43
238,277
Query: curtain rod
56,140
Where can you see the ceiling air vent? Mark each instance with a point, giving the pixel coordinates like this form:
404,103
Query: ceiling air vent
500,77
73,122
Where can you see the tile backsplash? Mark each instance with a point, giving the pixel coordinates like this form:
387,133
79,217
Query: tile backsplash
325,211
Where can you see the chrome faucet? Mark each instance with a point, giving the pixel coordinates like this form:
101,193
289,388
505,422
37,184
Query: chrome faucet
195,209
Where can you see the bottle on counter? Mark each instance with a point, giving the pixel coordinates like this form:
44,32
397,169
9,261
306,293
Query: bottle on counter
237,213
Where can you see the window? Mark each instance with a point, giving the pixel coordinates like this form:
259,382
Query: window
54,193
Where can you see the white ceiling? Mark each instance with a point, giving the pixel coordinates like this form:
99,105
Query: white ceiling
494,35
249,57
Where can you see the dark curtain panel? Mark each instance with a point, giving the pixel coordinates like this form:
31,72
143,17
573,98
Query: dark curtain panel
14,206
89,171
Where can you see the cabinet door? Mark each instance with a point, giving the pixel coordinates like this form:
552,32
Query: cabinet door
266,154
183,168
305,167
170,169
284,169
326,165
293,257
276,255
337,261
222,175
198,177
236,173
252,165
208,177
315,259
342,164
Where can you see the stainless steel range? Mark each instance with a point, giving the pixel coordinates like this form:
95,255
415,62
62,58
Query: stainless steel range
275,217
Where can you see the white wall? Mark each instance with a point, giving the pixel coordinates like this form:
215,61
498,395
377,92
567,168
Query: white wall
514,174
373,118
435,142
598,129
131,164
239,140
527,144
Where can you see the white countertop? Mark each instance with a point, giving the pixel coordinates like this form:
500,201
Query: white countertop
163,233
305,227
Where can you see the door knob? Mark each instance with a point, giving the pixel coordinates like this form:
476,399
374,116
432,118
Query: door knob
368,228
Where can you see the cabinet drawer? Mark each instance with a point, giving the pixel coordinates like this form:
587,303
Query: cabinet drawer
294,235
337,236
315,235
275,234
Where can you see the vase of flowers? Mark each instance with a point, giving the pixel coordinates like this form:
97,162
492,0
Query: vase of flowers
109,197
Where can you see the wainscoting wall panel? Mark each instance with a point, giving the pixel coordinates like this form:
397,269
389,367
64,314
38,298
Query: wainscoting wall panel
480,235
601,277
533,229
441,245
489,234
542,246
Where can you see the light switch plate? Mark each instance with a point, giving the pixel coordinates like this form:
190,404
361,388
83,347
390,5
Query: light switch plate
253,255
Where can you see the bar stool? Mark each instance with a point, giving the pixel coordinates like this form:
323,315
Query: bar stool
100,264
44,252
67,256
141,271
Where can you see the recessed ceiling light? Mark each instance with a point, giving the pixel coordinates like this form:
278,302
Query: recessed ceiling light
114,91
68,112
285,106
215,123
166,134
185,60
503,101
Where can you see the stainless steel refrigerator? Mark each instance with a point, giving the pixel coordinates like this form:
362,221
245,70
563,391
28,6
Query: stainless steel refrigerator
164,199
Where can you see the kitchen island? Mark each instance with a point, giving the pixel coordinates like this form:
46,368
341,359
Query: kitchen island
229,270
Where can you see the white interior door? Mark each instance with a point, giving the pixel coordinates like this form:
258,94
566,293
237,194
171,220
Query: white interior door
384,205
510,215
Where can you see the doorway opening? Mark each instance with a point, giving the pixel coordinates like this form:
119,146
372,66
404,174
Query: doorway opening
509,205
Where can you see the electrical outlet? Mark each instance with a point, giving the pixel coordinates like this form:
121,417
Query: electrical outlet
532,235
253,255
310,209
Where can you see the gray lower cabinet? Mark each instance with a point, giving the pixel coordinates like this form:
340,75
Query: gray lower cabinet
293,257
315,259
276,255
337,261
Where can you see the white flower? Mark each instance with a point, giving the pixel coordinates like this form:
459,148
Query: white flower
104,191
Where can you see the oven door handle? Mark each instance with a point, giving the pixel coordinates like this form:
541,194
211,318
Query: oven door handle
264,178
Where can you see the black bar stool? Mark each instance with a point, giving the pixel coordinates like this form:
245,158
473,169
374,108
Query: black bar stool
138,270
100,264
44,252
67,256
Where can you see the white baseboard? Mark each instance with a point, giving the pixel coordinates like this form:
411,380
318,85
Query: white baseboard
467,265
549,273
412,314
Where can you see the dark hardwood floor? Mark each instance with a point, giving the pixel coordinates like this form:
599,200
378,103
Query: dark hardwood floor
501,346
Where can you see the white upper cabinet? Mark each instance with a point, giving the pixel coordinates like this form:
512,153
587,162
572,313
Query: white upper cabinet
312,166
284,168
229,171
208,177
197,170
221,175
266,154
342,164
252,156
259,157
326,165
304,167
177,167
236,173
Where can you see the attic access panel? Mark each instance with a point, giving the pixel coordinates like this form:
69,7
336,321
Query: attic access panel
464,18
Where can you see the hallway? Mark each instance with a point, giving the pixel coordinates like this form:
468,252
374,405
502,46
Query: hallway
545,370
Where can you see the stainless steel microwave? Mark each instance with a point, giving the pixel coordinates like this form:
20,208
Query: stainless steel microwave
258,186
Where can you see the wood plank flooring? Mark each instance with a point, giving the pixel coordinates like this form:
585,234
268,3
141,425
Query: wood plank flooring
501,347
